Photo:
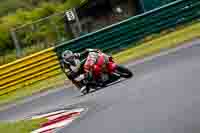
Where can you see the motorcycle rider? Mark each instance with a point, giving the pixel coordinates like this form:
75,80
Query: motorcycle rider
71,66
71,62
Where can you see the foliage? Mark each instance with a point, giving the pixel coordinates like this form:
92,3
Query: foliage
23,15
11,6
24,126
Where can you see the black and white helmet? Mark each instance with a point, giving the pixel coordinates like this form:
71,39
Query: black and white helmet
68,56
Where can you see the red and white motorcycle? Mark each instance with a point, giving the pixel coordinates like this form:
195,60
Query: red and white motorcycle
106,73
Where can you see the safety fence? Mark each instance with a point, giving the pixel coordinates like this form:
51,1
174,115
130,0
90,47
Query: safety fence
124,34
112,39
28,70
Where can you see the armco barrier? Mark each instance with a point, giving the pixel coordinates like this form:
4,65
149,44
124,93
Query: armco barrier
28,70
151,4
119,36
124,34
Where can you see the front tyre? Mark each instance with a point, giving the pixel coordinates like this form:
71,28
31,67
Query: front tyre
123,72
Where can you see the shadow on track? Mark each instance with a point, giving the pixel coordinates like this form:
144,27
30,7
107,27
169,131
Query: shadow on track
101,88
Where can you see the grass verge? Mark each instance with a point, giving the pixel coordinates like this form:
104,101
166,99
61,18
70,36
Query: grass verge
24,126
154,46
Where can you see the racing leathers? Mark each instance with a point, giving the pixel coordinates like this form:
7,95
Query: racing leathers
72,69
77,72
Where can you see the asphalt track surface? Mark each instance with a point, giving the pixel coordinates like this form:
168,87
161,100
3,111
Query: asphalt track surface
163,97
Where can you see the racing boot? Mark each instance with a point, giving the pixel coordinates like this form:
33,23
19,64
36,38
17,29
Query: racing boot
85,89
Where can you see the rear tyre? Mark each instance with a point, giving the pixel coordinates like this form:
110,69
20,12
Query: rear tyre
124,72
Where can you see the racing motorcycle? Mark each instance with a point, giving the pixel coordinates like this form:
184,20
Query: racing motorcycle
103,73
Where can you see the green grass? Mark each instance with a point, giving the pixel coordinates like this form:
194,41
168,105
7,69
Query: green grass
11,56
24,126
150,46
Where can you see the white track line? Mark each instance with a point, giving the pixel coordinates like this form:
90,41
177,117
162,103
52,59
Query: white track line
49,114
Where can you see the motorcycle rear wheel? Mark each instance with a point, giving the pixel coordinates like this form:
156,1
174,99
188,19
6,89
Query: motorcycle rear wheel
123,72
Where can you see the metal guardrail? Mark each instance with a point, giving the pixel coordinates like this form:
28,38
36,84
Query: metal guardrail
112,39
126,33
28,70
